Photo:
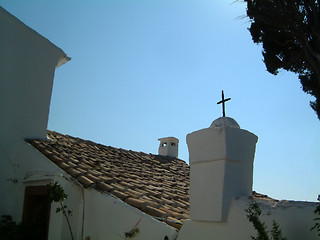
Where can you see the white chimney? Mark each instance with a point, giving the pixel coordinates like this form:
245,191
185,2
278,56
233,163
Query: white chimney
221,168
169,146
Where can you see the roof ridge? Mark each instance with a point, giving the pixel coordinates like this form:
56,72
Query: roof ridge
106,146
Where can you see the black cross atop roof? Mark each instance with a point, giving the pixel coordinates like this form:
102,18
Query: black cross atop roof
223,106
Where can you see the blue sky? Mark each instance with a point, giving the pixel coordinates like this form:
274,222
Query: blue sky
142,70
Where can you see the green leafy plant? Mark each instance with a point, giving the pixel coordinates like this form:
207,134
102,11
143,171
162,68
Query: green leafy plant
276,231
56,194
253,215
316,226
131,233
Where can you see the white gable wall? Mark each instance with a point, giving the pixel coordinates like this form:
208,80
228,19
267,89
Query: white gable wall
28,62
96,215
27,65
29,168
107,217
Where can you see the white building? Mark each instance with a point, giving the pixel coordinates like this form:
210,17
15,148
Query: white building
115,193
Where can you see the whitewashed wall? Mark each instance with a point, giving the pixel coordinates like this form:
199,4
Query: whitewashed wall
295,219
27,65
28,62
94,214
221,174
98,216
107,217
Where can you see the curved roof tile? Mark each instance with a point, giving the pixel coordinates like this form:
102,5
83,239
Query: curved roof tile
157,185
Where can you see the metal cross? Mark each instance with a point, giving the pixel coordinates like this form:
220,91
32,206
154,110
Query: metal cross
223,101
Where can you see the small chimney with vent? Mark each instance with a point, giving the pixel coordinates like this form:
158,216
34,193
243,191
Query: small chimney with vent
169,146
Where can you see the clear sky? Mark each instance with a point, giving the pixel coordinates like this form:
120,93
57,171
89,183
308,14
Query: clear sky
142,70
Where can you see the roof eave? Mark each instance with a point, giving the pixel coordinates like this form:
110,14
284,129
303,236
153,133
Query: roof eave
62,60
62,56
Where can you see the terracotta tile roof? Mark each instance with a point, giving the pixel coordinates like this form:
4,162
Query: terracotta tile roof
256,195
157,185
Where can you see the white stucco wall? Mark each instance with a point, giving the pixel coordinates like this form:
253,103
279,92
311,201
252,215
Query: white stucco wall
27,66
58,228
295,219
221,173
94,214
31,168
107,217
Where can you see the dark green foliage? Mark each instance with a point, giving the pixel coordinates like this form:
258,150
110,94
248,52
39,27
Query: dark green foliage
9,230
132,233
32,228
276,232
316,226
253,215
56,194
289,31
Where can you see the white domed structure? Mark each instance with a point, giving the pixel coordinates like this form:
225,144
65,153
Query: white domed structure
223,122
